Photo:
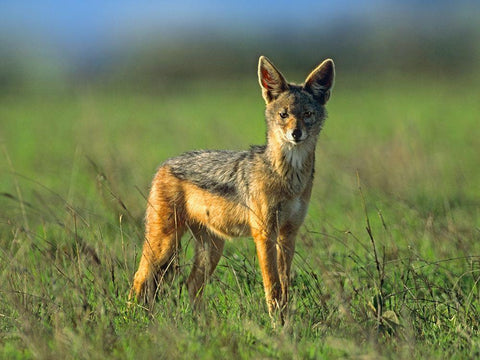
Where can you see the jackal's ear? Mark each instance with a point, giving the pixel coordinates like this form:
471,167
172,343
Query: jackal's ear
320,81
271,80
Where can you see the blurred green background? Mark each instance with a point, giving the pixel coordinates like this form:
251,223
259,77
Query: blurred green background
135,82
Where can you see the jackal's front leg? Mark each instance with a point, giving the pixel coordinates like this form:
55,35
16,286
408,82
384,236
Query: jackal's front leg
265,243
285,252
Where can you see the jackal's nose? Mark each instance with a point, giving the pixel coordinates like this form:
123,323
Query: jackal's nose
297,134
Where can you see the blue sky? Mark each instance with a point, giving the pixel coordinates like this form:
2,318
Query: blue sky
83,26
88,17
88,21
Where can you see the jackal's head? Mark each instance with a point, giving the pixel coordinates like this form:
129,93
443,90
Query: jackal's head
295,113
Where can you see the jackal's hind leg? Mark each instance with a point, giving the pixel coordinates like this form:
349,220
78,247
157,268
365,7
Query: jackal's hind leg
162,241
208,251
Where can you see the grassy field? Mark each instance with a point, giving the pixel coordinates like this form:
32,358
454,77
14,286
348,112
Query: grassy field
387,263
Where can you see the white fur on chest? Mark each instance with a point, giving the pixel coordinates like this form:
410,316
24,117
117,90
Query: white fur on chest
296,157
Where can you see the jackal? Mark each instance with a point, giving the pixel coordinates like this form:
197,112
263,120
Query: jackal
262,192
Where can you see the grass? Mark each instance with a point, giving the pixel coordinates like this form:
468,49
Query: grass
387,263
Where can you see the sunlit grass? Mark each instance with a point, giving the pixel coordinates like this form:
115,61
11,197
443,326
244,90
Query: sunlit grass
387,264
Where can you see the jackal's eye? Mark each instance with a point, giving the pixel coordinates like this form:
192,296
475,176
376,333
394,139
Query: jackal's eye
308,114
283,114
